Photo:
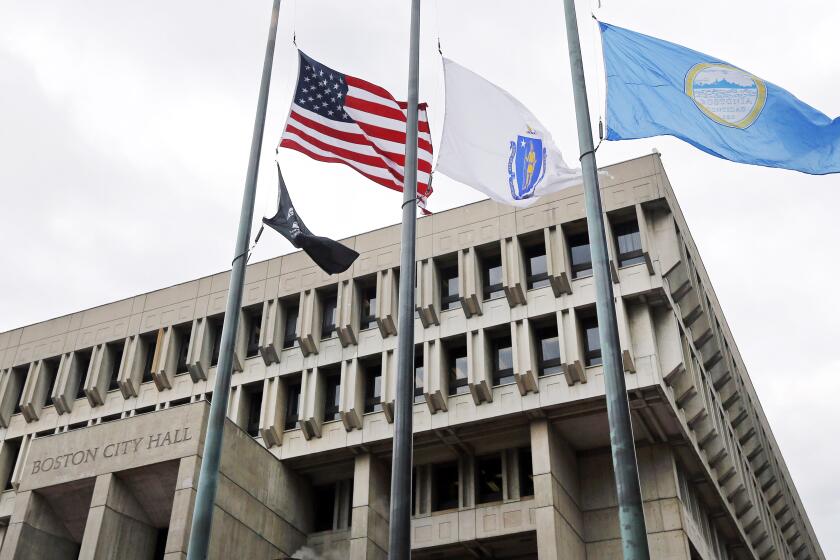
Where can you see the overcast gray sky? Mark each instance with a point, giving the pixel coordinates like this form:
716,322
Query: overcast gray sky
125,130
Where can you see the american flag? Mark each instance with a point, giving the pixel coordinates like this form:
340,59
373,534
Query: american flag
338,118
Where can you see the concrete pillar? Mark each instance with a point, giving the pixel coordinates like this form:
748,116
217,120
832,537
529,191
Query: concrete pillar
117,527
369,531
348,309
387,293
478,358
36,532
557,495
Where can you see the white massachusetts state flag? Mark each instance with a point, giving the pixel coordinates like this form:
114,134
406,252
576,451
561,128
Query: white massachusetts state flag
492,143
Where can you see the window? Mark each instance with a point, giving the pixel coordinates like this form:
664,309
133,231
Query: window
449,297
254,395
324,498
13,447
445,486
253,322
292,404
328,315
526,472
456,364
182,337
502,356
629,243
548,349
77,426
215,325
332,385
49,369
19,374
83,364
116,350
145,409
179,402
488,479
367,316
591,340
290,334
110,418
373,386
491,273
419,396
150,342
536,266
580,256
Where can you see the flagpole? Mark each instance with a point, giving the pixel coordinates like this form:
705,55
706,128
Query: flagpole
399,530
630,513
208,477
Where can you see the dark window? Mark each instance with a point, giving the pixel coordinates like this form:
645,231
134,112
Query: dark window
629,243
536,266
182,334
12,448
457,365
82,358
255,396
324,500
292,404
111,417
373,387
488,479
491,273
49,369
418,377
253,324
580,256
150,342
179,402
144,409
77,426
445,486
548,348
20,374
367,317
591,341
216,337
502,360
290,328
449,297
328,316
332,385
116,350
526,473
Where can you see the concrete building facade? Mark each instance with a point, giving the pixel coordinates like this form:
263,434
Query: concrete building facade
102,412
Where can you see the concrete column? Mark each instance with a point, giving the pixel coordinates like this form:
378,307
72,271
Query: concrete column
348,308
117,527
387,292
271,332
525,363
435,377
36,532
557,265
200,350
427,293
352,394
469,282
478,369
369,532
513,271
557,495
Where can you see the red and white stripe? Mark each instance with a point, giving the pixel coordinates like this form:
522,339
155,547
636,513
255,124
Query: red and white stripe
373,143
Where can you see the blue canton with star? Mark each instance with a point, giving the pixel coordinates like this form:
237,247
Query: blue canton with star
321,89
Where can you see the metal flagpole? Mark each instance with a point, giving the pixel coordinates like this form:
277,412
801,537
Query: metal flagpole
209,474
630,514
399,541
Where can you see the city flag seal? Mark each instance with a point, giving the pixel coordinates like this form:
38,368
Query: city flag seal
526,165
727,95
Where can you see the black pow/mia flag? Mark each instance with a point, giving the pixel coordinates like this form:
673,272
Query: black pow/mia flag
330,255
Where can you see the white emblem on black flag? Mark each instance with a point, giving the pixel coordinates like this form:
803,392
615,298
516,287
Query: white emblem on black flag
330,255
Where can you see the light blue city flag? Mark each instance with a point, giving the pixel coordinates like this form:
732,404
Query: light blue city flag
658,88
